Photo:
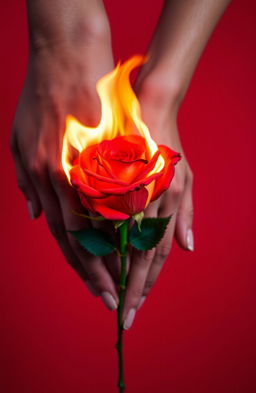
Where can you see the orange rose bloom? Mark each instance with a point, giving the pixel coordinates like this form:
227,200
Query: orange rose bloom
116,178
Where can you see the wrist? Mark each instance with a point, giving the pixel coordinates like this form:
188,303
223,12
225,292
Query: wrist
81,51
69,27
160,88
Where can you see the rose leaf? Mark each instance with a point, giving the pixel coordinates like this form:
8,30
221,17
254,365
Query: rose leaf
149,235
95,241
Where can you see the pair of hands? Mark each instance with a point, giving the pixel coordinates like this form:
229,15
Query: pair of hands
61,79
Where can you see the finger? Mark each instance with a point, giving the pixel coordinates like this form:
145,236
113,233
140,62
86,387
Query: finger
96,271
112,261
183,231
54,219
139,267
98,276
169,206
162,252
56,225
25,184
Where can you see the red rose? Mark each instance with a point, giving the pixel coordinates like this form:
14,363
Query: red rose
118,178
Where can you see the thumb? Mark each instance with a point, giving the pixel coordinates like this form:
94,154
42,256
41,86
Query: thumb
183,230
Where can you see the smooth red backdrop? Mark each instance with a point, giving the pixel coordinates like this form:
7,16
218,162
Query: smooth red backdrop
196,332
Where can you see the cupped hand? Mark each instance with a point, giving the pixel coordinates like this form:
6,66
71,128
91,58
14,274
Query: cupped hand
159,112
61,80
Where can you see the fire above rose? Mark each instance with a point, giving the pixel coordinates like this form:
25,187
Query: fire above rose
119,169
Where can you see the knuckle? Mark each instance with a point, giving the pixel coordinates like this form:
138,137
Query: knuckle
177,188
35,168
190,176
148,256
137,293
190,211
149,284
162,253
144,259
93,277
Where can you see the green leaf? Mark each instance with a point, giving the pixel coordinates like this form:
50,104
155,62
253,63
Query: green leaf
138,218
95,241
152,231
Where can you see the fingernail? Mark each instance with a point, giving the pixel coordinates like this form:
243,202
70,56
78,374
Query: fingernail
30,210
190,240
142,300
109,301
129,319
91,288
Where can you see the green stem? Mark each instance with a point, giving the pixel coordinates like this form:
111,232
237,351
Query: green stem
119,345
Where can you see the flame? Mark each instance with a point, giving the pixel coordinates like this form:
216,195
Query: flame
120,115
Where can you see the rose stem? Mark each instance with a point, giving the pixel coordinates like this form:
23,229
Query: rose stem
123,229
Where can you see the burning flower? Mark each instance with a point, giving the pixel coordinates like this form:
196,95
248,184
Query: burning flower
116,177
118,170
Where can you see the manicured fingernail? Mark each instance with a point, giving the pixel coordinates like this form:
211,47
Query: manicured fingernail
30,210
142,300
129,319
109,301
190,240
91,288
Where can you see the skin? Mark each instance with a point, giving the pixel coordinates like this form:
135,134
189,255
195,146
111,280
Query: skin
70,49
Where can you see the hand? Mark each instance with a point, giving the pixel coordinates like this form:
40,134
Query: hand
61,79
159,108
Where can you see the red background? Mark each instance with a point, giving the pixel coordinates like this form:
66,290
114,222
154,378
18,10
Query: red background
196,332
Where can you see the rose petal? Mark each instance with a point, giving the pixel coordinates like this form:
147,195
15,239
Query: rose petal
149,167
123,157
126,148
77,174
131,203
104,169
171,158
109,213
79,180
87,158
104,178
126,171
131,187
88,191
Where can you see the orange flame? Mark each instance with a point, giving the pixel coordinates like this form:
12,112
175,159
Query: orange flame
120,115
